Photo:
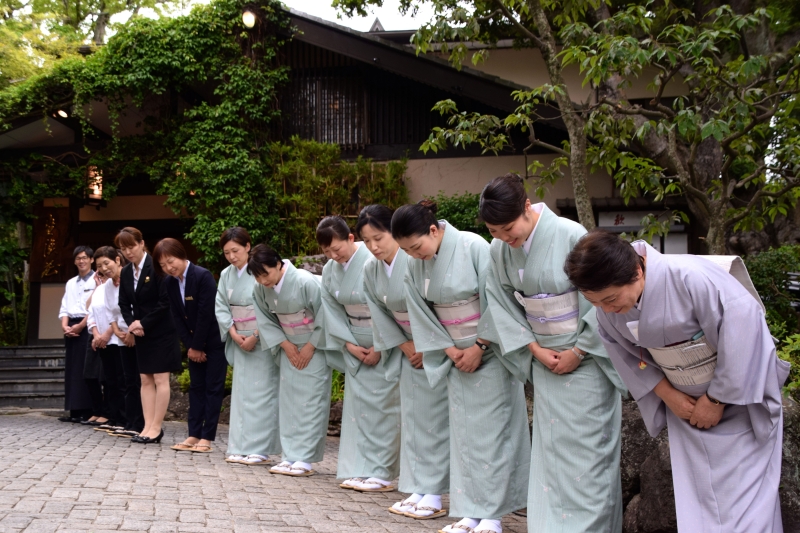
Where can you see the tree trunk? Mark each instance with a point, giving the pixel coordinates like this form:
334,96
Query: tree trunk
575,124
715,238
100,24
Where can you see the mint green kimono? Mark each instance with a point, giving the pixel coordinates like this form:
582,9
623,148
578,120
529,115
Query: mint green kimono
305,395
254,399
575,473
370,441
425,434
489,438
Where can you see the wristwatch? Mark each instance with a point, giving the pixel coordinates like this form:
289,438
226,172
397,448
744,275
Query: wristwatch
482,346
713,400
578,354
255,334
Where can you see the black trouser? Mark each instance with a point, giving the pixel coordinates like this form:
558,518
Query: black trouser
206,392
114,383
77,399
134,418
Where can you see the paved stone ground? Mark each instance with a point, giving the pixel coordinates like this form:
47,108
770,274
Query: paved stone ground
66,477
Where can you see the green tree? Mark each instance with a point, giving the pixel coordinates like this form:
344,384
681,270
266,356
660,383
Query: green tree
730,144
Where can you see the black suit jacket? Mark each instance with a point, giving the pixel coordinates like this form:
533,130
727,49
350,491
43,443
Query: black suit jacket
148,303
194,314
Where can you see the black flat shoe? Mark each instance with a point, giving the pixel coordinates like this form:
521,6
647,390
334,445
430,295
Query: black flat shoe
151,440
74,420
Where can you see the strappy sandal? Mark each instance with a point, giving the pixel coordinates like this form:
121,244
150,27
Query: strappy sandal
380,487
197,449
281,468
235,458
436,513
357,480
182,447
304,472
455,526
255,459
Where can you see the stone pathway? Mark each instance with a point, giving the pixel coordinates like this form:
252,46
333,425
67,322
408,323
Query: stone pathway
66,477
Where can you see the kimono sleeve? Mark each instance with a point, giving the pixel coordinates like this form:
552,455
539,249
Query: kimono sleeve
312,296
222,309
504,324
269,328
428,333
335,330
385,331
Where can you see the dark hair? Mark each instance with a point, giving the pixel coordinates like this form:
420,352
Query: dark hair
236,234
261,255
503,200
332,227
111,253
414,219
128,236
167,247
601,259
376,215
81,249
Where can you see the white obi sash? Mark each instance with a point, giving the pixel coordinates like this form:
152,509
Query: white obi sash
402,319
299,323
460,318
688,363
551,314
359,315
244,317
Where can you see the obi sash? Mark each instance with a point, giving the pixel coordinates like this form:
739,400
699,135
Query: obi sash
551,314
244,317
359,315
687,363
402,319
299,323
460,318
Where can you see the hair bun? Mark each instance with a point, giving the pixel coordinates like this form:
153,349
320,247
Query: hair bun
428,204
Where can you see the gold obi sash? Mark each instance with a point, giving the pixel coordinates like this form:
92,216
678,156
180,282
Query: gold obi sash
551,314
359,315
244,317
299,323
460,318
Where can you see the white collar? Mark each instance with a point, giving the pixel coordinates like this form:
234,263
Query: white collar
390,266
240,271
277,287
185,271
141,263
347,264
538,208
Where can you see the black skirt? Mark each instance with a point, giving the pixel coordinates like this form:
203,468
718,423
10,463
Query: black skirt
156,355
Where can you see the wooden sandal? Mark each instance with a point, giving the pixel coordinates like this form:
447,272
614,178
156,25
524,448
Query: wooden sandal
351,487
196,449
182,447
381,487
304,472
457,526
436,513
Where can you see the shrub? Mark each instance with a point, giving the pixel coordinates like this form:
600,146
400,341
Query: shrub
461,210
770,274
790,351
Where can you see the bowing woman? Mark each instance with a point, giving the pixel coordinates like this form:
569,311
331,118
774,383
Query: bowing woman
370,444
425,433
693,347
253,434
144,304
287,304
192,291
489,439
547,333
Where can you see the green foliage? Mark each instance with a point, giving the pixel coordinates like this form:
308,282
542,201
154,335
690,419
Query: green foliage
217,159
790,351
462,211
337,387
770,274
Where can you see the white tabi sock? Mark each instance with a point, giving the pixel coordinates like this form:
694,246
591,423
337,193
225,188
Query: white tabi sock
377,480
469,522
431,500
489,525
301,464
406,505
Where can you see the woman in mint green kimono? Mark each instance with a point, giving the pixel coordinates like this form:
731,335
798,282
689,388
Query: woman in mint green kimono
369,448
547,333
489,439
287,304
253,435
425,448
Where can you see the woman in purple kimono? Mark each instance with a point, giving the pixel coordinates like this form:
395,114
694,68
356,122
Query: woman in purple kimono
692,345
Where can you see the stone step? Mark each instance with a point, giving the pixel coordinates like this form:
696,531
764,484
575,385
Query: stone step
33,401
45,387
31,372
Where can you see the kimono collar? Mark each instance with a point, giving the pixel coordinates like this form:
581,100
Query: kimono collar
441,265
286,265
352,275
397,278
240,271
543,242
651,321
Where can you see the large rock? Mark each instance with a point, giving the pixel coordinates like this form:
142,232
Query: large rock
637,445
312,263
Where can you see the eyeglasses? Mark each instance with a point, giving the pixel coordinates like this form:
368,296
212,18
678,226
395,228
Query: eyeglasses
82,259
